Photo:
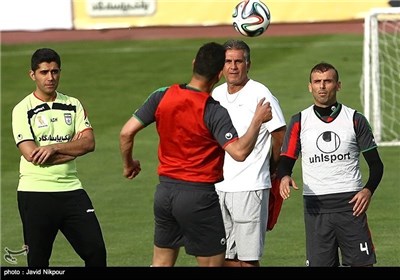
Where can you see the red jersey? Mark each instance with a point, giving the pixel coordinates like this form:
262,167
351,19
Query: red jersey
187,150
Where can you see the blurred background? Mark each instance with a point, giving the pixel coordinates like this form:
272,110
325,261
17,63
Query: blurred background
39,15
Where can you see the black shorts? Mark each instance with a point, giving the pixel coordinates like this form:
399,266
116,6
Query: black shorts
43,214
189,215
327,232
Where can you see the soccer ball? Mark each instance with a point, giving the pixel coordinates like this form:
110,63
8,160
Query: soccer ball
251,18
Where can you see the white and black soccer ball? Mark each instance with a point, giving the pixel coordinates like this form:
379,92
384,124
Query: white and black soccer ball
251,18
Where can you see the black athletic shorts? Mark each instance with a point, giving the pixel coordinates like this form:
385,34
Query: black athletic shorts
43,214
327,232
189,215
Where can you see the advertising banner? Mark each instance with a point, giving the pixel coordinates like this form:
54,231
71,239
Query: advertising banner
105,14
99,14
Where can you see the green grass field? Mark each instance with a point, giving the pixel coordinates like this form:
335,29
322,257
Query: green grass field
113,78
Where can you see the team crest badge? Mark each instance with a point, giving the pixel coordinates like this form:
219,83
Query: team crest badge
68,118
42,121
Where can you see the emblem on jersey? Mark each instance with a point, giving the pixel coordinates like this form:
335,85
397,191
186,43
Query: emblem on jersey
41,121
228,136
68,118
328,142
223,241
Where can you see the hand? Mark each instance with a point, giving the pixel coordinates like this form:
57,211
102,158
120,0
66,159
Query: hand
132,170
284,187
40,155
361,201
264,111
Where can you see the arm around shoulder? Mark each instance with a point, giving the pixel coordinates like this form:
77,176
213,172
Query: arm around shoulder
240,149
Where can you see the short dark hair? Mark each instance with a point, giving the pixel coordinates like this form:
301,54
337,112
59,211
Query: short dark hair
323,67
209,61
44,55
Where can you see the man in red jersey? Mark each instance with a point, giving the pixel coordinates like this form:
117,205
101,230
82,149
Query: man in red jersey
194,131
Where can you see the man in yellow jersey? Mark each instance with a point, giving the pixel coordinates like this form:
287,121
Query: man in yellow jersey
51,129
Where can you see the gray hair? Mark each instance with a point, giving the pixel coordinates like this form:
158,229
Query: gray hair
238,45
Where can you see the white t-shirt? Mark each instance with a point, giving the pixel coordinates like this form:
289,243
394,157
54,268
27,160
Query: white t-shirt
253,173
